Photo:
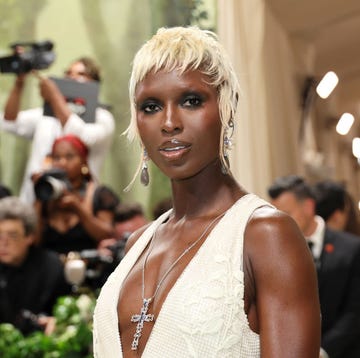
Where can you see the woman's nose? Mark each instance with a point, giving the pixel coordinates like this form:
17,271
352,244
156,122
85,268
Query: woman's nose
61,163
172,121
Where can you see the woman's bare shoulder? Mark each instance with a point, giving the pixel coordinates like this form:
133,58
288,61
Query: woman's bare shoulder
272,235
272,225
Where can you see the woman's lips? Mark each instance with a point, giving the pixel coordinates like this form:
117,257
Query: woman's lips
174,149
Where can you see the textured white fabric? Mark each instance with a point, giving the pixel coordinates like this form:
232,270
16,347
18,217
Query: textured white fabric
31,124
203,314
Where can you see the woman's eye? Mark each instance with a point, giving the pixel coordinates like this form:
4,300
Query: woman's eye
193,101
150,108
70,156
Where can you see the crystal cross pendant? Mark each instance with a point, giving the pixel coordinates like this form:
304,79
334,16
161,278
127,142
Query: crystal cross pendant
140,319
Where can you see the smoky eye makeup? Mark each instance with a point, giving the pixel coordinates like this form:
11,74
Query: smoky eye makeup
149,106
192,100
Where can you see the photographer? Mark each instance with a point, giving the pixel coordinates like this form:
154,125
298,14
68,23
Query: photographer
80,215
31,278
127,219
33,125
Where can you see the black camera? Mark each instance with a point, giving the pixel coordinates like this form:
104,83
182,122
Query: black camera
51,185
99,267
39,56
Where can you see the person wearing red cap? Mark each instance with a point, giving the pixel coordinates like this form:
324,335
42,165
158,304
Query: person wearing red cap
82,213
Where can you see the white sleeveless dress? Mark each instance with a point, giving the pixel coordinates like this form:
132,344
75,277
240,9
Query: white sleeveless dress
203,314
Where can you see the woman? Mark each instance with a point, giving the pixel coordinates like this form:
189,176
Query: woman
222,274
82,215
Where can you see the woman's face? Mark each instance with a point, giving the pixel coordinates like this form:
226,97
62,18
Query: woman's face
66,157
178,121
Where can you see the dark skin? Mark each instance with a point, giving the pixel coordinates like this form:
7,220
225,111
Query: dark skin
281,299
71,208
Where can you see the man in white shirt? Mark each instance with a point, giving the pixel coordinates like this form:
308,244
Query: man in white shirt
337,258
33,125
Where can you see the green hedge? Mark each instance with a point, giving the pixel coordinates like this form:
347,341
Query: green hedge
72,337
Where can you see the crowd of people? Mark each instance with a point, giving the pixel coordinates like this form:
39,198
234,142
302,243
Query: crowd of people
33,258
62,207
220,271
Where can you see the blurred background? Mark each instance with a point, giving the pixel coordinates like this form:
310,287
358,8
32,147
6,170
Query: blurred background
281,50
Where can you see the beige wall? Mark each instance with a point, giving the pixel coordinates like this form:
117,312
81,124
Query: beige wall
268,118
272,67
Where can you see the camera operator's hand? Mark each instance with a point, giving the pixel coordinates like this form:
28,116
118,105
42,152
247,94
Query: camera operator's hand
19,49
99,224
48,323
36,176
103,246
70,200
48,88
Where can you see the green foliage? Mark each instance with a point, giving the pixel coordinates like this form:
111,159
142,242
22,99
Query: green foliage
72,337
179,13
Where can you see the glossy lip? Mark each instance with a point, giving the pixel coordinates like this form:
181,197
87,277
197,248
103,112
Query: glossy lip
174,149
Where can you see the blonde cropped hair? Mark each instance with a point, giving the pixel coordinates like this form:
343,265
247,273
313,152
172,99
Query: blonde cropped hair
183,49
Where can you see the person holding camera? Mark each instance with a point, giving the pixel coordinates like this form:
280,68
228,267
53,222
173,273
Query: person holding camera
43,130
31,278
128,217
79,214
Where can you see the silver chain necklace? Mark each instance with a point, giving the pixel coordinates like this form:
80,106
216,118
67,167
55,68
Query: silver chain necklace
144,316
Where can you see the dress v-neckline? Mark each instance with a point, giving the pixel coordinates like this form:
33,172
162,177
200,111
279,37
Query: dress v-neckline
139,249
178,280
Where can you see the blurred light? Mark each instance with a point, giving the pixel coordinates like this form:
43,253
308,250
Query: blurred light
356,147
327,84
345,123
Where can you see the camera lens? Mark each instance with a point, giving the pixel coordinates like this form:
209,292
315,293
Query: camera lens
49,188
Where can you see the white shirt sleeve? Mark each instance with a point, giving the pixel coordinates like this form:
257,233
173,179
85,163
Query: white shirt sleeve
25,123
93,134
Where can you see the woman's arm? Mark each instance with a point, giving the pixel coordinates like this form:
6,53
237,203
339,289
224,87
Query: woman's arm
99,226
281,287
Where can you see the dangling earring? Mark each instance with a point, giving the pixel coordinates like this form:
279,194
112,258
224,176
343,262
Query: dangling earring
84,170
227,144
144,177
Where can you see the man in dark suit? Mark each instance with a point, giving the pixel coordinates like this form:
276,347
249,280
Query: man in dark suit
337,259
31,278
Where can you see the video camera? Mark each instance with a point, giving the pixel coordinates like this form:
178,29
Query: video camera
51,185
39,57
